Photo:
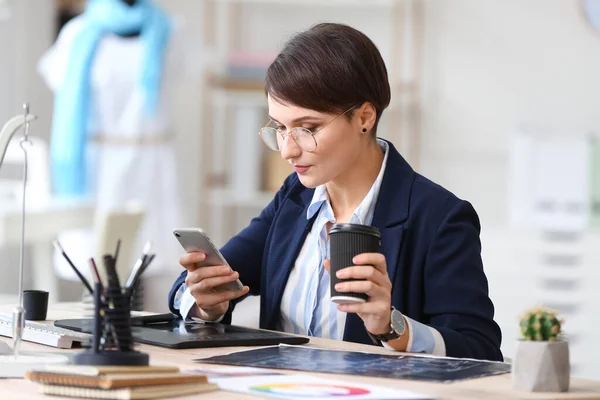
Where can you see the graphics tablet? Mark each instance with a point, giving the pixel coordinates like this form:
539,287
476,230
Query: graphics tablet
178,335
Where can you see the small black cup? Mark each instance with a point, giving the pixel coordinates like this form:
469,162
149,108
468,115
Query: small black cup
35,303
346,242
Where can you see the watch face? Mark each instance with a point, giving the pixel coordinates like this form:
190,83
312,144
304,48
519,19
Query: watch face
398,323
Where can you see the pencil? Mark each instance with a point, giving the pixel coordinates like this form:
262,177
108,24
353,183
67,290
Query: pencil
95,273
81,277
117,250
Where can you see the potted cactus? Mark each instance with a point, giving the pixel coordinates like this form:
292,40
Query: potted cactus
541,362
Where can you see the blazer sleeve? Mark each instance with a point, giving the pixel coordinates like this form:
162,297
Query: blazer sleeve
456,288
244,252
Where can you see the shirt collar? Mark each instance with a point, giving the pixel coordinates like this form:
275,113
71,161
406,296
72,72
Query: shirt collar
364,212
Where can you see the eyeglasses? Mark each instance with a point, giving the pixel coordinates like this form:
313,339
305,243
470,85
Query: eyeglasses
304,138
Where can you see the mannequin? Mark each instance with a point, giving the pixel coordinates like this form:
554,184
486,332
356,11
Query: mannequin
129,154
136,32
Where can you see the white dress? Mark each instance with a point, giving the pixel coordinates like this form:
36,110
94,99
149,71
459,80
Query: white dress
122,166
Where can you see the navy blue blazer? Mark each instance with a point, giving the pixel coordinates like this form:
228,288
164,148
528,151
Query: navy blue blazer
430,239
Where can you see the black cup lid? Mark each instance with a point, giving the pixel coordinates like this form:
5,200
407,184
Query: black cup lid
356,228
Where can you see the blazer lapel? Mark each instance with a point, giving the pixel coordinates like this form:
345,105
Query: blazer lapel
391,210
289,238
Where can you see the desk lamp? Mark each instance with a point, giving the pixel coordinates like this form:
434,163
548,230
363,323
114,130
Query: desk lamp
15,365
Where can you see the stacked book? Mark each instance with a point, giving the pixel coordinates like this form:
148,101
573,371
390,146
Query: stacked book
248,65
118,382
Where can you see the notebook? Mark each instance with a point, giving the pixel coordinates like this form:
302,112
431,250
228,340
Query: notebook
111,381
142,392
96,370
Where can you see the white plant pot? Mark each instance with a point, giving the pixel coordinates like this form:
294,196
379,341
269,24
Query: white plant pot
541,366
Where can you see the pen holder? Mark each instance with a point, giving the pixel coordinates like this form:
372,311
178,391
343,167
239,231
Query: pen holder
112,340
137,296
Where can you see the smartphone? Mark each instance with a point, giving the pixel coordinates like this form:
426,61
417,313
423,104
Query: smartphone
195,239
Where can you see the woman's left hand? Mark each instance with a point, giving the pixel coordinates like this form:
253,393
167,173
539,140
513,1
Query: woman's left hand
371,269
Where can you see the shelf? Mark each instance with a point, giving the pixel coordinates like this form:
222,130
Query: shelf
235,97
236,84
227,91
320,3
227,197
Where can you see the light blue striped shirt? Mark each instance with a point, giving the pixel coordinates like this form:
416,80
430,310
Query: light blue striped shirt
307,293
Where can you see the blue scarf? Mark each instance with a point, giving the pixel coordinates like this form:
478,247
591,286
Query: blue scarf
73,98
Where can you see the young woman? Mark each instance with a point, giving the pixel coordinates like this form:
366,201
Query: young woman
427,291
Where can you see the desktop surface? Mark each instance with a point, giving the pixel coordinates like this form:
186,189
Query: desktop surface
494,387
176,334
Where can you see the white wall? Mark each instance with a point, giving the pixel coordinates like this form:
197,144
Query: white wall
187,128
490,65
23,39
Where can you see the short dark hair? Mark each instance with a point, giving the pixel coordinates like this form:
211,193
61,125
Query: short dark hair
329,68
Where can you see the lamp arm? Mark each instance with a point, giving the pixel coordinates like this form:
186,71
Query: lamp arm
9,129
6,134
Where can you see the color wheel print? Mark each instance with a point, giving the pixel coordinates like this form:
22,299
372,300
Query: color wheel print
308,390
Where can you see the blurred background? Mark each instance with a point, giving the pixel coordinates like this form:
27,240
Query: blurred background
494,100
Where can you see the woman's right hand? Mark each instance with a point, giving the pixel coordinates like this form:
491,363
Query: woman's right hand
202,281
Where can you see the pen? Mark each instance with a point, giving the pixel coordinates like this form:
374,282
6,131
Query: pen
117,250
81,277
153,319
138,265
95,273
111,272
136,278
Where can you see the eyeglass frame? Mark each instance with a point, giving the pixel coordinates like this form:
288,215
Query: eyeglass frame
284,134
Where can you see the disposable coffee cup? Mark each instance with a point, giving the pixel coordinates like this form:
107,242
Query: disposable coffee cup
35,303
345,242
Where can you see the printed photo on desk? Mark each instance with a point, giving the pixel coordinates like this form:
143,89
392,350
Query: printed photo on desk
423,368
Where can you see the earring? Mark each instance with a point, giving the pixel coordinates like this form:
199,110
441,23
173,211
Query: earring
364,130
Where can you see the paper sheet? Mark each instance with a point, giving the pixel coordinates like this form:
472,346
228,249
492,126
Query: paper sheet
214,374
549,180
298,386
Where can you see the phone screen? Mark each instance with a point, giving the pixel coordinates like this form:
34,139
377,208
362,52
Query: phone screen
196,240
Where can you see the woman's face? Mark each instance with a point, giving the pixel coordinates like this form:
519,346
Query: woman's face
339,143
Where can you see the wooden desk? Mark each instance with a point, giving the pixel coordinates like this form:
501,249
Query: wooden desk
496,387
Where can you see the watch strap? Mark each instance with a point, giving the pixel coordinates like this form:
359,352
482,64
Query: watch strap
385,337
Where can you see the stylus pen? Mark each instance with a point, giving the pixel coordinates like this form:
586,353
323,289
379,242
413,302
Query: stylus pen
147,262
138,265
145,265
81,277
153,319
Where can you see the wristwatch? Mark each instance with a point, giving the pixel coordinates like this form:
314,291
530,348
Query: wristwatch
397,325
